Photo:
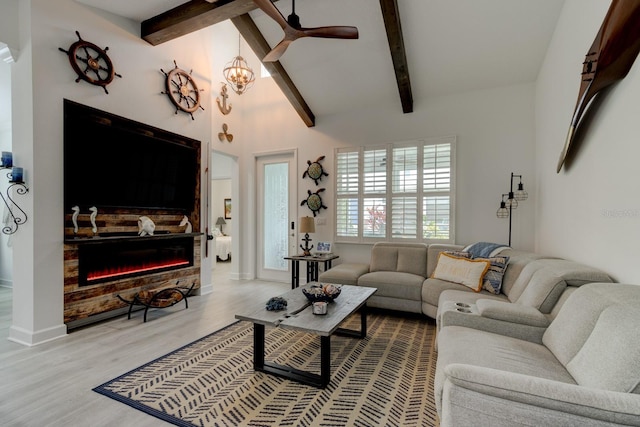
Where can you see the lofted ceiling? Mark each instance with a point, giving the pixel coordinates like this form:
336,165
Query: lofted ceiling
450,46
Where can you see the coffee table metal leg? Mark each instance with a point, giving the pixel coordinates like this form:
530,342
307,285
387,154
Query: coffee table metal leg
325,360
258,347
362,333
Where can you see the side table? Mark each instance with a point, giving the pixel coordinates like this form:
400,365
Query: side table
312,266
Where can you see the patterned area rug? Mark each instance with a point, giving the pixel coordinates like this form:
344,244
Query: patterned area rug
385,379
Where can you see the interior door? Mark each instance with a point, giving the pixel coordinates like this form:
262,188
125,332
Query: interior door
276,213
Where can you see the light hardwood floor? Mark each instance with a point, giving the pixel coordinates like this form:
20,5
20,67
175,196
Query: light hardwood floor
51,384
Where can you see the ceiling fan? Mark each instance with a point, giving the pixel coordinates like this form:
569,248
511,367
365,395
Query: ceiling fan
293,30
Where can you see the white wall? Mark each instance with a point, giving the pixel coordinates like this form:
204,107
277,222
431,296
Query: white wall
6,253
495,137
589,212
43,78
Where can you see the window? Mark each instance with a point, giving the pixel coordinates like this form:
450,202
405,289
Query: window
400,191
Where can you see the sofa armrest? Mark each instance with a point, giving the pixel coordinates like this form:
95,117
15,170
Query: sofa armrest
514,313
499,398
452,315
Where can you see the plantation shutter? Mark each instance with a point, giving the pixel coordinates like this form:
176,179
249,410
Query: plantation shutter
397,191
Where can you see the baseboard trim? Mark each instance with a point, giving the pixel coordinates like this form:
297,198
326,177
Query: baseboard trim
32,338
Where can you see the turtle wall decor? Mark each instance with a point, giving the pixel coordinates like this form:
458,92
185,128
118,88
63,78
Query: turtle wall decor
314,201
315,171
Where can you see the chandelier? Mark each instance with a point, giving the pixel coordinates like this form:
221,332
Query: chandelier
238,74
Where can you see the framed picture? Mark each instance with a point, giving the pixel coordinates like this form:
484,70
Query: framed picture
323,248
227,208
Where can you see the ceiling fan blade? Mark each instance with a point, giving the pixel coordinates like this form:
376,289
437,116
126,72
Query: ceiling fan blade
267,7
333,32
277,51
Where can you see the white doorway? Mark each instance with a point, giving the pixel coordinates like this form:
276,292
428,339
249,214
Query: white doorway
224,258
276,214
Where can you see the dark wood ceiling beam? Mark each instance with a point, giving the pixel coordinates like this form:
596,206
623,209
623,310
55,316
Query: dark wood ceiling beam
260,47
391,17
191,16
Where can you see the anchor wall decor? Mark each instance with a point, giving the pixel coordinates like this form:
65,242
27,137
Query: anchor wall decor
222,106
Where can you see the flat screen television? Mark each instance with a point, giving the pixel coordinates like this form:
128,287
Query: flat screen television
114,162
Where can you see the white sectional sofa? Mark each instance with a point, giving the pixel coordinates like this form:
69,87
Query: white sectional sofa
402,274
583,370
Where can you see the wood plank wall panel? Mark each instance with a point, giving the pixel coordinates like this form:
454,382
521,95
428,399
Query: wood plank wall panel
81,302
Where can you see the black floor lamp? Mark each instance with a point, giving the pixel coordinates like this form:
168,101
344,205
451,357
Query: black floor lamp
507,206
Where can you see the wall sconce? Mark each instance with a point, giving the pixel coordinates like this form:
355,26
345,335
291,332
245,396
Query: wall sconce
221,222
16,179
307,225
507,206
238,74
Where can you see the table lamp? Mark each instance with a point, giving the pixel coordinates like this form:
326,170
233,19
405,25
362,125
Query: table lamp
221,222
307,225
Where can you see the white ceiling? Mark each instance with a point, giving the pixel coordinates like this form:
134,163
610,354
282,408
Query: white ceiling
452,46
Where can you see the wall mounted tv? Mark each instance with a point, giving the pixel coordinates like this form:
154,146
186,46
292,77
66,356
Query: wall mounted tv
114,162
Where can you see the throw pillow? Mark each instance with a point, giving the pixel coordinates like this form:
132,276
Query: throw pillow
467,272
493,277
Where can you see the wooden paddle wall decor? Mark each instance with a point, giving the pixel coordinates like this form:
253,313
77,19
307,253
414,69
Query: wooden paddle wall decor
608,61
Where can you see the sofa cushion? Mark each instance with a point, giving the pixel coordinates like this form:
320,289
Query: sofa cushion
597,366
578,316
575,273
433,289
518,260
458,344
383,258
344,274
412,260
464,271
394,284
542,291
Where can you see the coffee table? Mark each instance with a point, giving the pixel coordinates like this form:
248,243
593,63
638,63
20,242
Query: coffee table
299,316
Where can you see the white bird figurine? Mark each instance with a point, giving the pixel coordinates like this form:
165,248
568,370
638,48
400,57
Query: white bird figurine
145,226
185,221
94,213
74,218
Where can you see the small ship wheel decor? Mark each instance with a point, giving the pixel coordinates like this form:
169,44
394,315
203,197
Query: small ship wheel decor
91,63
314,201
315,171
182,90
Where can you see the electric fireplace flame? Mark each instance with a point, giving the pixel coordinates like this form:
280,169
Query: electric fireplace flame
122,271
115,260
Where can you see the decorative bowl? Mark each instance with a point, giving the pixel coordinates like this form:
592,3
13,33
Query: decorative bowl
322,292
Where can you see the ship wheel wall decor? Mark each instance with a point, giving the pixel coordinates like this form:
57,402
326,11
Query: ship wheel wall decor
91,63
314,201
182,90
315,171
